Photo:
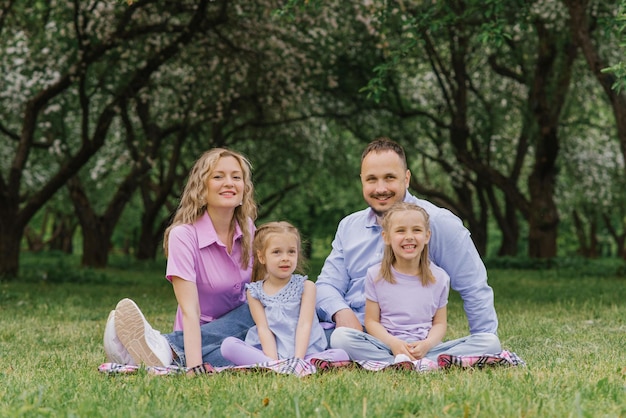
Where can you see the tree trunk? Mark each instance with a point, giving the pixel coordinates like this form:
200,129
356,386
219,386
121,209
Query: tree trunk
587,243
96,230
508,224
476,222
147,248
10,239
544,218
479,231
150,241
618,237
96,245
549,87
151,235
11,232
63,240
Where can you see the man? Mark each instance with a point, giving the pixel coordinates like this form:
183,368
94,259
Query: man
358,245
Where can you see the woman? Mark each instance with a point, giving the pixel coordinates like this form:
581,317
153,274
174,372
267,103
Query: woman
209,260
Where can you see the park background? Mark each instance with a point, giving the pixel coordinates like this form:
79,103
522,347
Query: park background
512,113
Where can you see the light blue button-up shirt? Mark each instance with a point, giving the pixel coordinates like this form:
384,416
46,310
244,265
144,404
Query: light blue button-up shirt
358,245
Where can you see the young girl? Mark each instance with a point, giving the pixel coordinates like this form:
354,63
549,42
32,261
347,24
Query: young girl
406,299
282,304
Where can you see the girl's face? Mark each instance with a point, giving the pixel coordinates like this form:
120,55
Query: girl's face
225,184
407,234
280,256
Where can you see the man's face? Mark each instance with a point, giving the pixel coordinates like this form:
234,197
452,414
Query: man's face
384,180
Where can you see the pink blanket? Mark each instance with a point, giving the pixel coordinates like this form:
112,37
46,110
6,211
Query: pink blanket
300,368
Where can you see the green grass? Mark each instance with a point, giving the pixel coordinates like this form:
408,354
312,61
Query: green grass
568,324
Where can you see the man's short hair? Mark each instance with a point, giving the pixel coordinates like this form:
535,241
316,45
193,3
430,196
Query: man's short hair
383,143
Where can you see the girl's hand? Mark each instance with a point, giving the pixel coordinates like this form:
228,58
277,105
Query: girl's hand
401,347
418,349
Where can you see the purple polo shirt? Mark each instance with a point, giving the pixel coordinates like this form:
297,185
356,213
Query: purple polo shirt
197,254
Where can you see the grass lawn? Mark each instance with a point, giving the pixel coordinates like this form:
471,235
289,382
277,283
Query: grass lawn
568,324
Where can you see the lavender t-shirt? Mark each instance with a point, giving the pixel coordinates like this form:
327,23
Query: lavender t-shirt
407,307
196,254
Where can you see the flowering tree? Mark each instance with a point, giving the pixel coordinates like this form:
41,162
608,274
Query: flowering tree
116,100
594,202
241,84
476,91
66,79
594,26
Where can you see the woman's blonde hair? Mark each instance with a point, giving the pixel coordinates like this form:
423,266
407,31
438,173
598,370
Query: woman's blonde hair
389,258
193,202
261,238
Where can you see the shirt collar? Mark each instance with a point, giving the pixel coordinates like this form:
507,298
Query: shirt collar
207,234
370,220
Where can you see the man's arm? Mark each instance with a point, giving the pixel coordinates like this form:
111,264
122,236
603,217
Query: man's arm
356,247
454,251
332,284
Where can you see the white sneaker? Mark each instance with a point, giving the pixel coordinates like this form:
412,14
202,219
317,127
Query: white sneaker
401,358
145,345
113,347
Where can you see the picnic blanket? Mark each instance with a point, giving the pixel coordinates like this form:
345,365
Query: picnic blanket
301,368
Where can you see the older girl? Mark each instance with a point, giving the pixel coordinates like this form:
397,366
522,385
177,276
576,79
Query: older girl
406,299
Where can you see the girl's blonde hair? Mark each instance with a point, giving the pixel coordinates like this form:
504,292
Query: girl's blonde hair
261,238
389,258
193,200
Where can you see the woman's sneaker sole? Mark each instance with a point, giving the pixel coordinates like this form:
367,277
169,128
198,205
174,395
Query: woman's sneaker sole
133,331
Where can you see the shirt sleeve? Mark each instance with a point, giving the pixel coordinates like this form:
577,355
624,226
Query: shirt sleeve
254,289
182,246
443,277
455,252
333,281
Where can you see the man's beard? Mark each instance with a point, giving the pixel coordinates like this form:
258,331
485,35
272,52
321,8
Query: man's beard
380,213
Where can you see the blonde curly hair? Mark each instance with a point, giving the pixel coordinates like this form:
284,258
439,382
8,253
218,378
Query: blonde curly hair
193,200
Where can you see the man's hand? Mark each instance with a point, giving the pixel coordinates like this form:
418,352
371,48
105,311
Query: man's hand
347,318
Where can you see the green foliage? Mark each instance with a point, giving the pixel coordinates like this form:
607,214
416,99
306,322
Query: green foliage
570,331
619,69
300,95
292,7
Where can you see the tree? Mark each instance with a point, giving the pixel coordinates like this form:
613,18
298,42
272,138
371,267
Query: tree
253,84
433,63
587,19
60,51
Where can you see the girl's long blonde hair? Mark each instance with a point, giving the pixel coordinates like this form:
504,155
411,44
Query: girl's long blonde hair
193,200
261,238
389,258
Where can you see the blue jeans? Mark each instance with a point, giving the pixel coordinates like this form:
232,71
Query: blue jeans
362,346
235,323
